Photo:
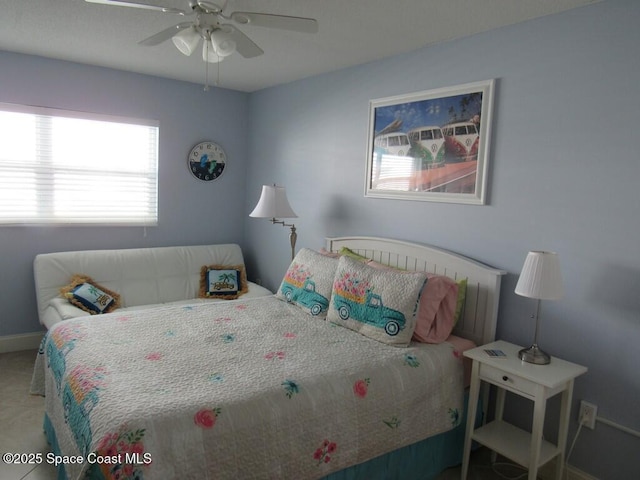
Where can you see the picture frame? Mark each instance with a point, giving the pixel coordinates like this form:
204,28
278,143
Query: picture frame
431,145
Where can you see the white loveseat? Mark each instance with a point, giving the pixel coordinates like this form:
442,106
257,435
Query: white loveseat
144,277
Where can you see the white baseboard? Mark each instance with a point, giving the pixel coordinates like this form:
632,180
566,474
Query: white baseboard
574,474
548,472
25,341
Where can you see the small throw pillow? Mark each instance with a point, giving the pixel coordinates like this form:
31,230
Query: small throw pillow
308,282
226,282
350,253
378,303
89,296
462,296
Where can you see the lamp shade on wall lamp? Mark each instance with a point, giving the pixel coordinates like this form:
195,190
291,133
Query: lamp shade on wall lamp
273,204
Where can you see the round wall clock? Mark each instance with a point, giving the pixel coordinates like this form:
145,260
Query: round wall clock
207,161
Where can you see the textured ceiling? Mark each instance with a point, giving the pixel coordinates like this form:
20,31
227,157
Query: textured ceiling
351,32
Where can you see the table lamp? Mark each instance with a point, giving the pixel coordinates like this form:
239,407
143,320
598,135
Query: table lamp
540,279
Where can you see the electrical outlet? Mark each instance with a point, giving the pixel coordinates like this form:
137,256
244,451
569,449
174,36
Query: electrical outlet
588,414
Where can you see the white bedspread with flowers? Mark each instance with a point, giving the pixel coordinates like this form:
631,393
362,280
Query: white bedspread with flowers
251,388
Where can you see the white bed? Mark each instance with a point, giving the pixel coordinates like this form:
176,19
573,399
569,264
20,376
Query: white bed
115,385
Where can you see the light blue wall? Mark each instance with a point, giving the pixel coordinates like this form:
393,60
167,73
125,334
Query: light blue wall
564,176
190,211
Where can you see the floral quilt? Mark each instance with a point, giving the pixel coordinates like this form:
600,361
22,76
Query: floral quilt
251,388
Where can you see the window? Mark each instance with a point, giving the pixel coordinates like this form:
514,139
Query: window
431,134
64,167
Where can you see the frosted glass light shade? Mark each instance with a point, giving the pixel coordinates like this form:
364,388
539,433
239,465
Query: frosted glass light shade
209,54
541,277
186,41
273,203
222,42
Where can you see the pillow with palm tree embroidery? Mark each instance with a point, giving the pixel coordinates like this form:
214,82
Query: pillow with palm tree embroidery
223,281
89,296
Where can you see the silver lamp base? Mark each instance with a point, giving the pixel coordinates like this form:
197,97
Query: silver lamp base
533,354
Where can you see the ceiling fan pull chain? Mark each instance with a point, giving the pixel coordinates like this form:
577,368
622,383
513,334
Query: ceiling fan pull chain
206,71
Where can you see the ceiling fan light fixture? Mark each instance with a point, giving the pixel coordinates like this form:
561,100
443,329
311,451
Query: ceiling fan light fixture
186,40
222,42
209,53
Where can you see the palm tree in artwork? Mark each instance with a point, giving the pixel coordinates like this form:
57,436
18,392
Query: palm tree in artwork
225,280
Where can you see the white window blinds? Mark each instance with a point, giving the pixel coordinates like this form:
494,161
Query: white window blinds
64,167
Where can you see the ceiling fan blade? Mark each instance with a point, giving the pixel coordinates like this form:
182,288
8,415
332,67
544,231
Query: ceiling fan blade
122,3
284,22
211,7
244,45
164,34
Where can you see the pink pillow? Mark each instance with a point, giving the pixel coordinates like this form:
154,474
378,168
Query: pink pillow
327,253
436,313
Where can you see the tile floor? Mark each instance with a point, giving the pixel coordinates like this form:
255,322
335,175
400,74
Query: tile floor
21,427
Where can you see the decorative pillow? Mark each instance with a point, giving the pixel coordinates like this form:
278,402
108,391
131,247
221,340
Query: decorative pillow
462,295
327,253
378,303
223,281
436,314
89,296
308,282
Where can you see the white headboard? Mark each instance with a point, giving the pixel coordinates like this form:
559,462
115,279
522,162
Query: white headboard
480,314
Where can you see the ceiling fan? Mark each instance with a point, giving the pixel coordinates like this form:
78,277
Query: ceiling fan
220,39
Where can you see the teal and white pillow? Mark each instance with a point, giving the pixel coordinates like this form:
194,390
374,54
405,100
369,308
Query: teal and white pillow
380,304
308,282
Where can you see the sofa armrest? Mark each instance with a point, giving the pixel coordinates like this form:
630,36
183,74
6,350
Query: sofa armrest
256,291
66,309
60,309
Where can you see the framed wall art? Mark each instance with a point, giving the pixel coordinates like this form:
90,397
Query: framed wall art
431,145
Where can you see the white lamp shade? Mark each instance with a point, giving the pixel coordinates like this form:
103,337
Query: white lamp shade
273,203
222,42
209,54
186,41
541,277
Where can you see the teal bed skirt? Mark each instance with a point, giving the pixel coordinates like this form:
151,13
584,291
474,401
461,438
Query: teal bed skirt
424,460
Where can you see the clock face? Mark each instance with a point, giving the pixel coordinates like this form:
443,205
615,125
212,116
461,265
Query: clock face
207,161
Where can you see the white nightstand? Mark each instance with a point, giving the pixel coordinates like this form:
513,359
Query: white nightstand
535,382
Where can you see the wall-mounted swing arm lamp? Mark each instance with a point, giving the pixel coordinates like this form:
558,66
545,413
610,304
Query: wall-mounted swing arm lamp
273,204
